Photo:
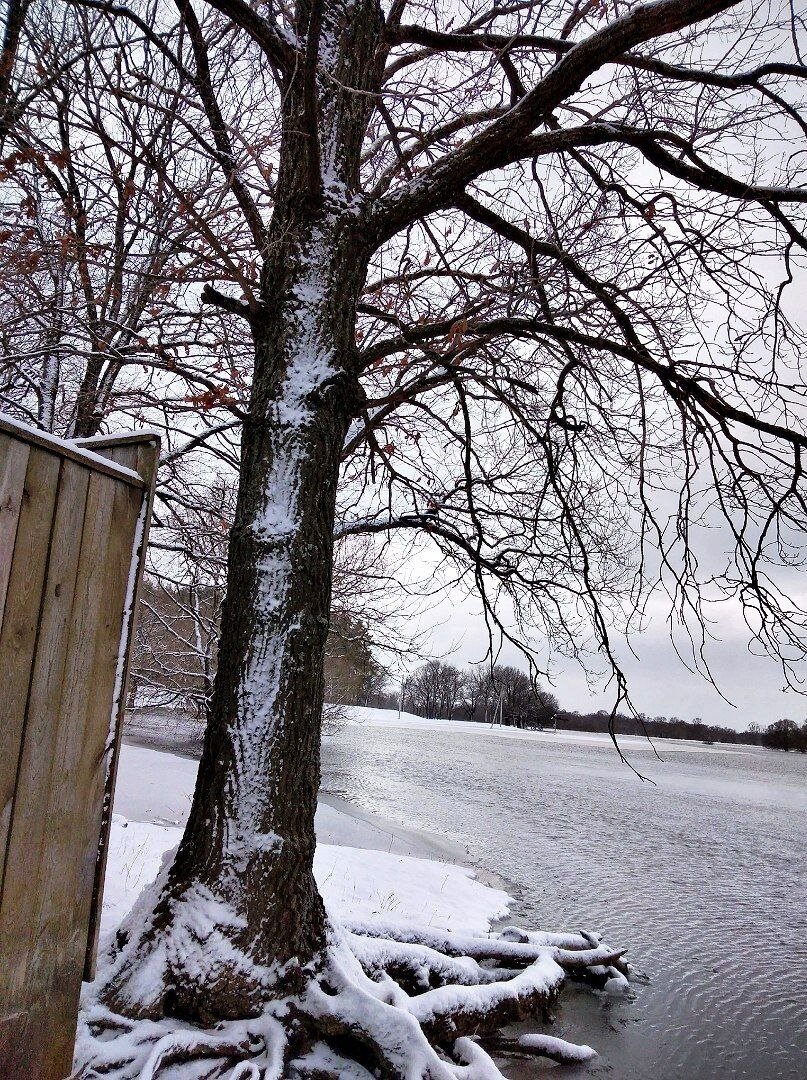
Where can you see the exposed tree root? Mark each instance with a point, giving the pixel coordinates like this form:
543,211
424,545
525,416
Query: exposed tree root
385,1001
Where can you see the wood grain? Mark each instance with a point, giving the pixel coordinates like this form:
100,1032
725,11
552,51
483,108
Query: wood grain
13,466
71,557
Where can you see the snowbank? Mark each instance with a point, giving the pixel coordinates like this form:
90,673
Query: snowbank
359,882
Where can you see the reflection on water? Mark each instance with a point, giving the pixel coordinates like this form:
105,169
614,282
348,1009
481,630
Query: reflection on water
702,876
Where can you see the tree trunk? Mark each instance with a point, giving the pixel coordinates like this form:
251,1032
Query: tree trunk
241,895
238,915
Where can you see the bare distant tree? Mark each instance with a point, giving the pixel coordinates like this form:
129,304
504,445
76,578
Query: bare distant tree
786,735
519,701
507,695
477,687
434,690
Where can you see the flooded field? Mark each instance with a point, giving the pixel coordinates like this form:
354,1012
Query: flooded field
702,876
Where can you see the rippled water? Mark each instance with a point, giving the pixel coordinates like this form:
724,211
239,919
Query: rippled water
702,876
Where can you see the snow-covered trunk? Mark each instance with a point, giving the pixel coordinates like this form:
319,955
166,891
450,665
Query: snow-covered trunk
238,915
253,813
240,903
48,389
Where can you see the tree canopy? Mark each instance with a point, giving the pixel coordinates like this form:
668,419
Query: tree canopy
576,340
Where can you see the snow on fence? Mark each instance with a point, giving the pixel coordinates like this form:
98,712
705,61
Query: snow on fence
73,524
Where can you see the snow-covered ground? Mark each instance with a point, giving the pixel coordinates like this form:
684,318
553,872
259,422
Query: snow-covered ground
358,714
367,870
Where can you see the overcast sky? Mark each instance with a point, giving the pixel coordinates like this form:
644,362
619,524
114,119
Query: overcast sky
660,684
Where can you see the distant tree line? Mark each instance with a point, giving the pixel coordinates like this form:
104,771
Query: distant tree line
779,735
499,694
505,695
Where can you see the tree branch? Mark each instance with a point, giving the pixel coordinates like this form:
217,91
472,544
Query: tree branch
279,51
226,157
211,295
435,186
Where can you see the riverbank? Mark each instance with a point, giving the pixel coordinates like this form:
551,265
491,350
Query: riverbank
368,869
699,874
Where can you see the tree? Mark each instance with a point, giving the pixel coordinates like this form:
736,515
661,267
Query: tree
499,245
174,661
477,688
14,19
352,674
785,735
515,700
103,216
434,690
506,694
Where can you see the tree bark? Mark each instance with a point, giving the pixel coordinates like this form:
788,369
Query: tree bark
16,11
239,914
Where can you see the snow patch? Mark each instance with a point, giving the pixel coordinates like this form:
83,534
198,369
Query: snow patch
358,885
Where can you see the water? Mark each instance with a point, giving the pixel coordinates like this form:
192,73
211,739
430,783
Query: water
702,877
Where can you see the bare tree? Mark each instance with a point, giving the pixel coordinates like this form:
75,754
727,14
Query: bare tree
434,690
174,661
512,282
506,695
475,692
175,653
102,230
520,702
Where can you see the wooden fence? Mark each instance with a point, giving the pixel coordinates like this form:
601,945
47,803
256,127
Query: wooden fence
73,525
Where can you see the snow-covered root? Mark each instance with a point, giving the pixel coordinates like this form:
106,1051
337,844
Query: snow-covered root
427,953
385,1001
109,1045
541,1045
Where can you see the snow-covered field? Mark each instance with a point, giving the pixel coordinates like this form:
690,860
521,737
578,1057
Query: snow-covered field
358,714
366,870
167,730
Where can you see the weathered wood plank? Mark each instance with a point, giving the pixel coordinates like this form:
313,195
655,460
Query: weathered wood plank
13,466
101,732
18,634
21,1048
35,886
86,690
62,449
143,458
